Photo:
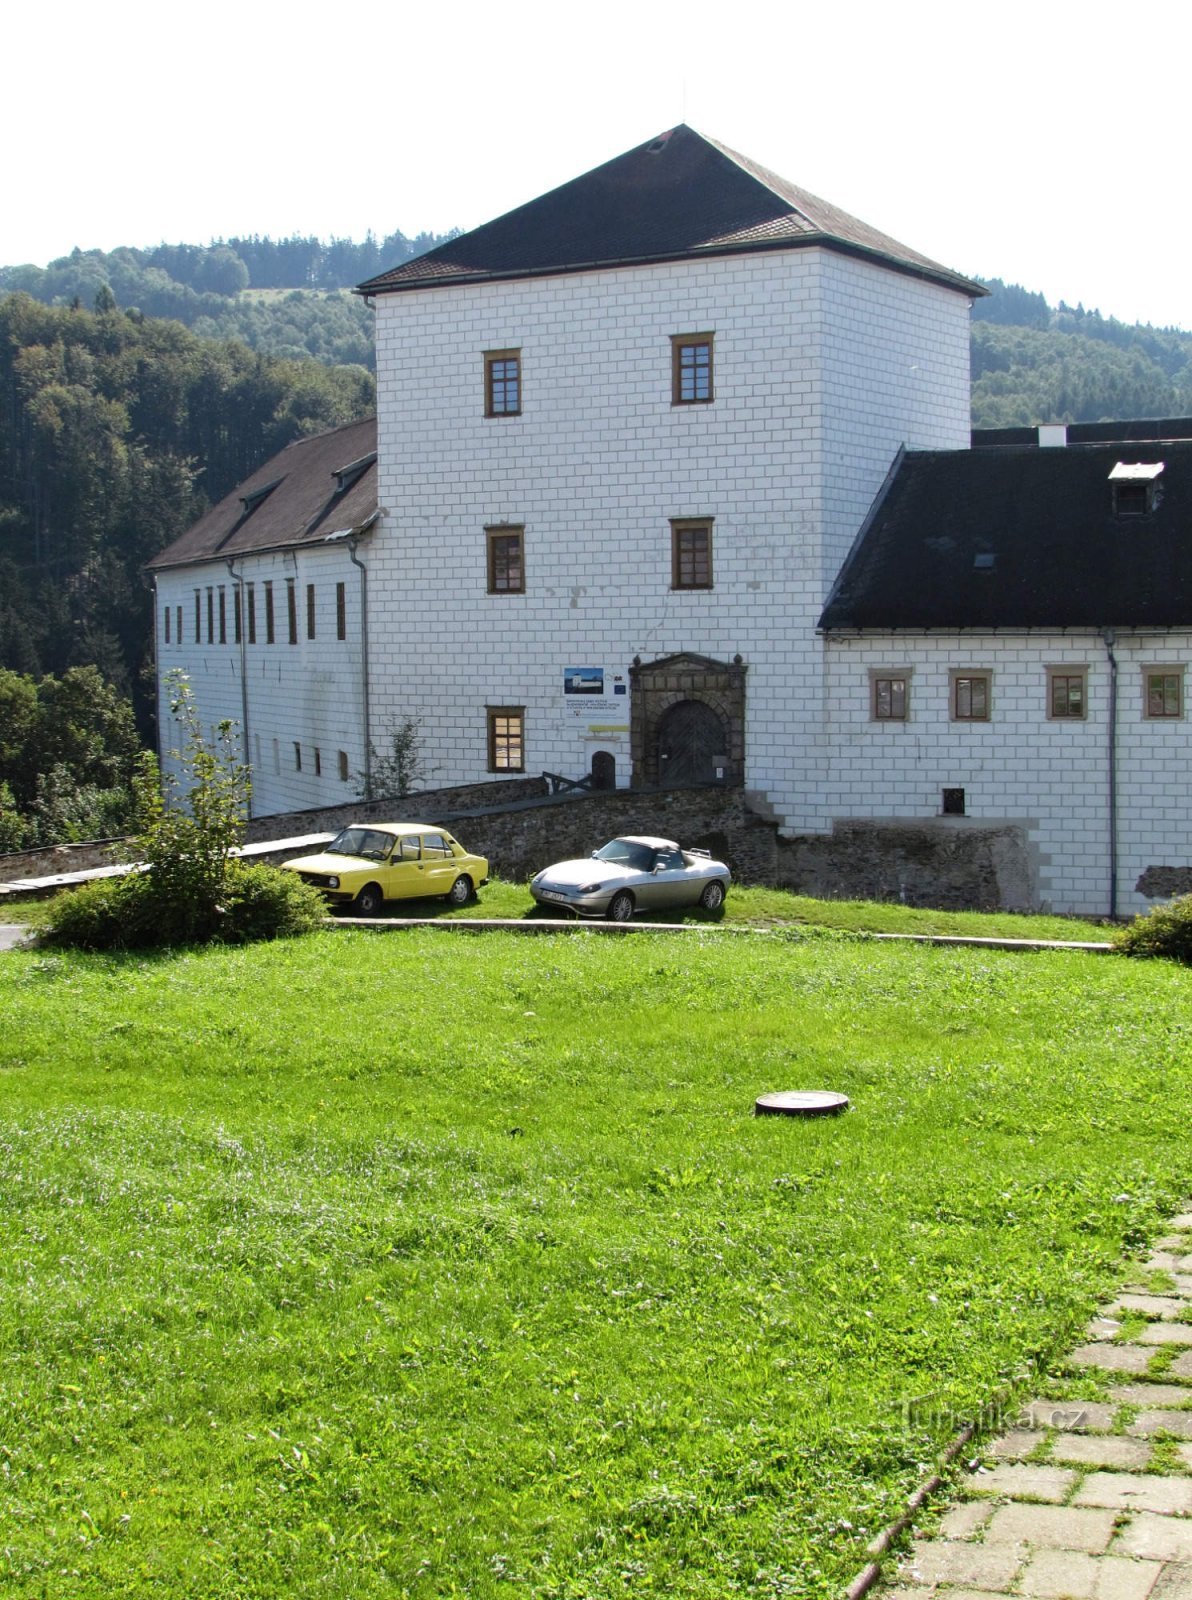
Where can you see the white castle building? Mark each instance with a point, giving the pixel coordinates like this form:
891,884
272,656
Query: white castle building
672,483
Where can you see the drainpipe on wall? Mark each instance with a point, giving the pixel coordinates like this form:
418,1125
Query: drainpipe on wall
1107,636
238,580
156,678
352,543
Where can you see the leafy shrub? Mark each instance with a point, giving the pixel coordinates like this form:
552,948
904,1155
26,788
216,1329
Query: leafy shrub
131,913
266,903
1165,931
191,889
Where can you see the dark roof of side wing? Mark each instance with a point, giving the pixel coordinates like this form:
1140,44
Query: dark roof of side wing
1020,537
679,196
309,491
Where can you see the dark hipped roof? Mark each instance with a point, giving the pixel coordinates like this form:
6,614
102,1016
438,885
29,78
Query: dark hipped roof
308,491
1061,558
679,196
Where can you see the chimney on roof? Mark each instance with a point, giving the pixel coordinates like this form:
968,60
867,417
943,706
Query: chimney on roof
1053,435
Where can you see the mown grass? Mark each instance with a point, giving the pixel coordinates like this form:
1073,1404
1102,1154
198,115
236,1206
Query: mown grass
371,1264
776,908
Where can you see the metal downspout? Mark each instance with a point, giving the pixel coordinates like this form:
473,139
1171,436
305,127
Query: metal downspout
1107,636
156,679
352,543
238,580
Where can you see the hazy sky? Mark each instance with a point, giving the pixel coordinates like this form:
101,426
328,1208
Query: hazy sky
1042,143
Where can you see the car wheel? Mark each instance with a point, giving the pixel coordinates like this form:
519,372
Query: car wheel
620,907
713,896
460,891
369,901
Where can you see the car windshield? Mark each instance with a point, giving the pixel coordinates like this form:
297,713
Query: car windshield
370,843
627,853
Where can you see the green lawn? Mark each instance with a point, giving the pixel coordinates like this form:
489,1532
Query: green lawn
366,1264
777,908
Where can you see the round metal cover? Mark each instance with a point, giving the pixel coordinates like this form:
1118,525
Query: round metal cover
800,1103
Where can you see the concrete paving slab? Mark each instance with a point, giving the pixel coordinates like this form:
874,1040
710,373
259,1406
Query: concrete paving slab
1051,1527
1166,1333
1149,1305
950,1561
962,1521
1068,1575
1112,1357
1155,1538
1015,1446
1151,1395
1148,1423
1175,1582
1137,1491
1070,1416
1052,1484
12,934
1101,1450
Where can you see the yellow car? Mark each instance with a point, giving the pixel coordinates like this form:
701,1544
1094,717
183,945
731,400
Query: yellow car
369,863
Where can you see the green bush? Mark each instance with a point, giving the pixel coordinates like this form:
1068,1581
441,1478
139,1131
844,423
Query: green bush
132,913
1165,931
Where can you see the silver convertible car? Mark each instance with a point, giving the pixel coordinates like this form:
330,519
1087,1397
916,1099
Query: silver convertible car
633,874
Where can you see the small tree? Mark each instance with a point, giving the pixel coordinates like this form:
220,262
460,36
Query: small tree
193,819
399,768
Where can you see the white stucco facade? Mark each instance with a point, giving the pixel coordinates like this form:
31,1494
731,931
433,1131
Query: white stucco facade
823,367
297,706
1020,764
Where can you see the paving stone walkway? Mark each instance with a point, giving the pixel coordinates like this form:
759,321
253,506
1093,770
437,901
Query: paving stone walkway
1085,1499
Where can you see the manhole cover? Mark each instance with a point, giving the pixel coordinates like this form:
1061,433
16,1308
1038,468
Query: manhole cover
800,1103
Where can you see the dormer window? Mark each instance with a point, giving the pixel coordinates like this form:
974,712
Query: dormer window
345,477
1135,487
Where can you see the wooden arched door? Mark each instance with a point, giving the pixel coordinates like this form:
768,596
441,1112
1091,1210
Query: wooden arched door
692,745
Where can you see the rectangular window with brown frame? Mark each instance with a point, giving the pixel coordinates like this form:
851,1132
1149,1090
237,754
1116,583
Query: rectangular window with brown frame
889,700
252,613
502,383
310,611
970,696
1067,694
506,559
318,762
691,552
178,633
210,615
223,614
506,738
342,759
292,610
167,622
198,617
1164,697
691,369
270,620
341,611
297,755
237,620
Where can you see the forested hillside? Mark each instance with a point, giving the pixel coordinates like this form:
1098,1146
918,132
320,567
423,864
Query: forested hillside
116,430
287,297
1037,363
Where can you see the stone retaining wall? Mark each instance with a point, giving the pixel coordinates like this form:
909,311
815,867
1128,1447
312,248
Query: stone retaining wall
949,863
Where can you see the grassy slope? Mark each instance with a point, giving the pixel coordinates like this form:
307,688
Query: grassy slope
371,1261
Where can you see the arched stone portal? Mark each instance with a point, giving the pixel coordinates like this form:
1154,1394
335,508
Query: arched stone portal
687,721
